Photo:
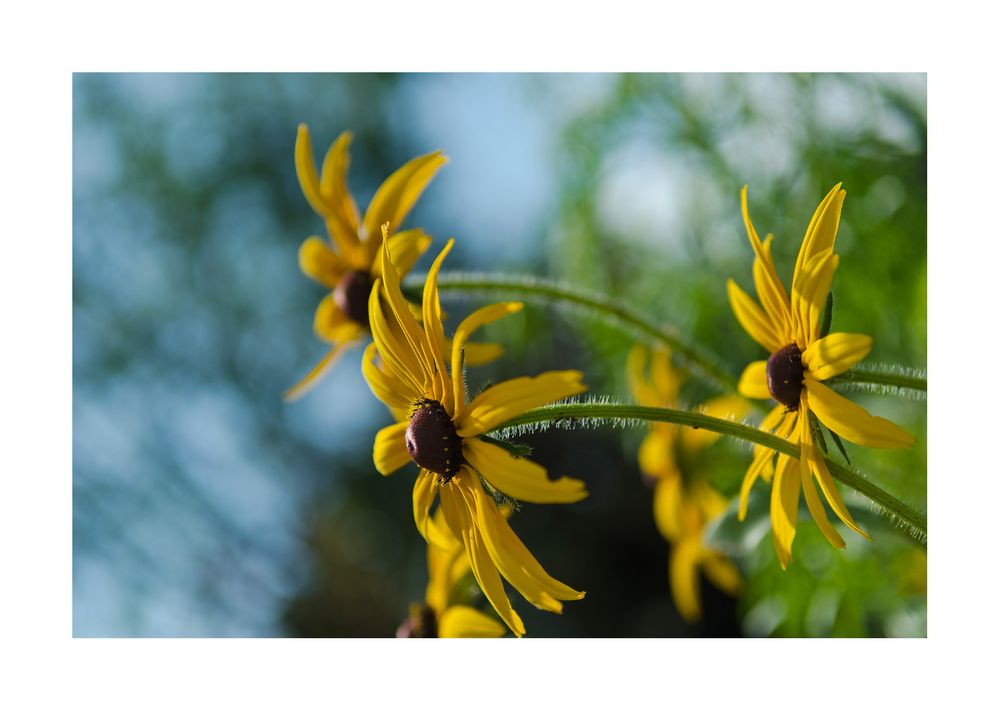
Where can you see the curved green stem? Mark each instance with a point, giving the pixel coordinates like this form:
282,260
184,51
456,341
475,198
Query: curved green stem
901,380
543,290
572,412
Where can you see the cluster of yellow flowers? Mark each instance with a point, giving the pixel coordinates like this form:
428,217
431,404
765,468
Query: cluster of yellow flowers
418,373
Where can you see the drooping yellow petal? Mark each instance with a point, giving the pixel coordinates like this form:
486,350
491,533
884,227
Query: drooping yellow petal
762,456
753,382
785,506
809,294
808,453
397,195
835,353
319,370
684,578
753,320
466,328
507,548
853,422
656,452
483,568
501,402
444,568
434,331
317,261
822,231
668,507
390,448
520,478
666,380
386,388
424,490
639,384
723,574
724,407
463,621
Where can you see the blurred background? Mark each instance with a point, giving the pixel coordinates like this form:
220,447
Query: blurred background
205,506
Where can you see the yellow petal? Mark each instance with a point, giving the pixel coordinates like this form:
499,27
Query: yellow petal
771,291
424,490
434,331
333,183
769,287
400,318
319,262
835,353
822,231
390,448
483,568
852,422
396,354
809,294
397,195
511,556
684,579
506,400
762,456
666,380
785,506
462,621
441,566
656,453
385,387
478,353
331,324
723,574
753,382
667,507
639,384
807,456
753,320
465,329
724,407
519,478
405,248
319,370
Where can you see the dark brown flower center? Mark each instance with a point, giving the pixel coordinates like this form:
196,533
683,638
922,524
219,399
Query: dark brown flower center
784,376
351,296
421,623
432,441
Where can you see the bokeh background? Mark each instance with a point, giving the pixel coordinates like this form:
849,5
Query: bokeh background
205,506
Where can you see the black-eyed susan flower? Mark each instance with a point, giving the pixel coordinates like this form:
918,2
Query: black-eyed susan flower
800,359
421,380
444,612
348,263
684,503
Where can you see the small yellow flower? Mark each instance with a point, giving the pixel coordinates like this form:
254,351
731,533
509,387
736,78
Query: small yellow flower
421,381
348,263
789,329
441,615
683,505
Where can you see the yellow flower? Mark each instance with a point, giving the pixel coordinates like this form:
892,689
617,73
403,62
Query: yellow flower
441,615
683,505
421,381
789,329
348,263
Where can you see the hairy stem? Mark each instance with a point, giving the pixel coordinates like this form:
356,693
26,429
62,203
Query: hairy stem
569,413
908,380
532,288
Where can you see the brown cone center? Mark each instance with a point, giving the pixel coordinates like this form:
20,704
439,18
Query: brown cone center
784,376
351,296
432,441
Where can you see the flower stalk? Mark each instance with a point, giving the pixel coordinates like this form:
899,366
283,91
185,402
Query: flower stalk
617,414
